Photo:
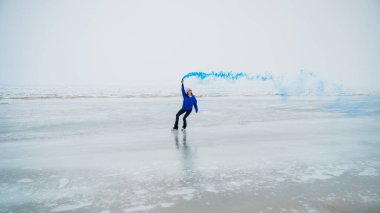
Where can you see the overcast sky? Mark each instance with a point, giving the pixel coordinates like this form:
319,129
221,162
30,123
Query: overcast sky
156,42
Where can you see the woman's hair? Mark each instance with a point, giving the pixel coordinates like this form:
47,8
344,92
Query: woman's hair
187,91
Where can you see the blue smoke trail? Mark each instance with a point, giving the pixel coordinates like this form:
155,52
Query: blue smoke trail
299,87
306,83
228,75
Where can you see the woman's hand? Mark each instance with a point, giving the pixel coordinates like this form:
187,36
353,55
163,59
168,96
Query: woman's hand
182,81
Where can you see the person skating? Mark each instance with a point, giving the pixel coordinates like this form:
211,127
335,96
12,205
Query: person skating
189,101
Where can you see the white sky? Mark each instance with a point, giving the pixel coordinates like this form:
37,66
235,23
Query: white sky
156,42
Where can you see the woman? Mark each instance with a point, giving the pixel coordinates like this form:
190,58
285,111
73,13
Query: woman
189,101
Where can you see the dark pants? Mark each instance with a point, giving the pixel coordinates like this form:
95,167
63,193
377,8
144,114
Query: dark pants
179,113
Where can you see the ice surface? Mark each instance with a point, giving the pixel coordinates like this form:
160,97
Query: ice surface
166,205
239,154
139,208
70,207
183,191
63,182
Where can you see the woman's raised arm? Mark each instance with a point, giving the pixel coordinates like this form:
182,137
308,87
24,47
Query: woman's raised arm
183,89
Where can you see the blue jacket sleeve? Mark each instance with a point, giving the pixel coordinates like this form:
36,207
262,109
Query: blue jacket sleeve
195,104
183,91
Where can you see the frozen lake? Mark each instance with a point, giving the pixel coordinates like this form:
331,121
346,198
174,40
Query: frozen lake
239,154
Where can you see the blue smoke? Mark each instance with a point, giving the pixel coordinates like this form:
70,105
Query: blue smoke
228,75
306,83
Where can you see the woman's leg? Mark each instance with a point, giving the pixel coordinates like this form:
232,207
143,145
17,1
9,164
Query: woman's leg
180,112
184,118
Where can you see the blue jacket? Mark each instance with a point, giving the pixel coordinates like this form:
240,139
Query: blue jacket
188,102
